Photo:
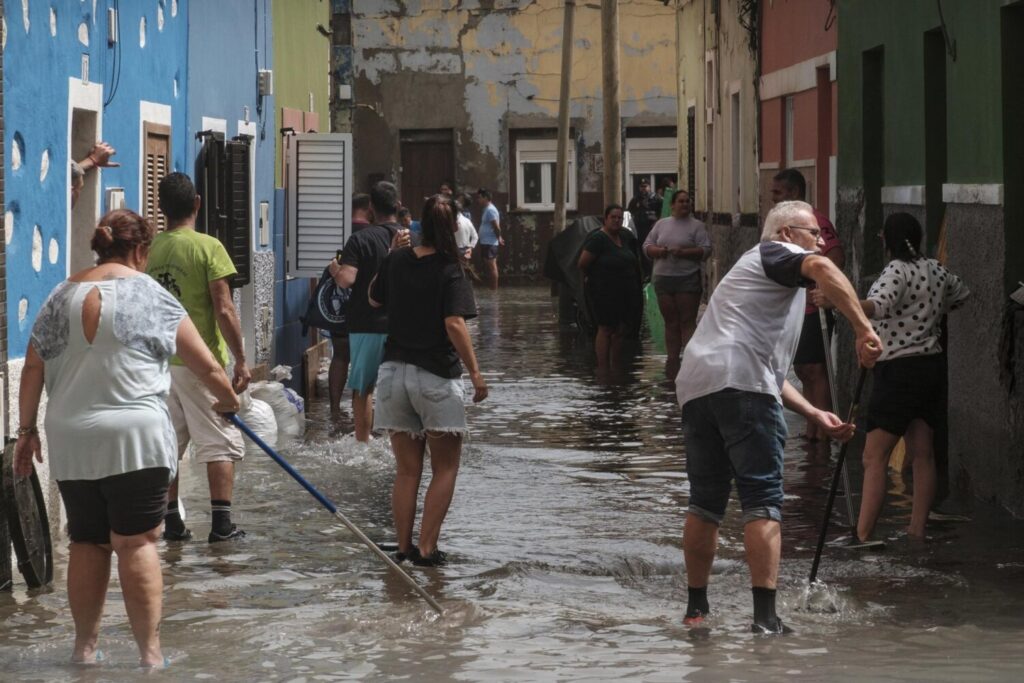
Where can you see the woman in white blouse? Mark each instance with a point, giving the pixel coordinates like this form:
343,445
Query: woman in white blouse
908,397
101,343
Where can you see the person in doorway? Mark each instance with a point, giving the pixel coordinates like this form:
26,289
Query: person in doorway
645,208
101,344
337,375
98,157
197,270
611,279
490,235
677,245
360,259
447,189
908,390
465,235
809,363
428,298
732,387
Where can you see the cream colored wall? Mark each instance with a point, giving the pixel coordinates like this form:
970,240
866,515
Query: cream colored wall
700,36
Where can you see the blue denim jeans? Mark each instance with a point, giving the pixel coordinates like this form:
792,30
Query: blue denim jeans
734,435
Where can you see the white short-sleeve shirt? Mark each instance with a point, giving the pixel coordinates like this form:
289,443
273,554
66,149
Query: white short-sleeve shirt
749,333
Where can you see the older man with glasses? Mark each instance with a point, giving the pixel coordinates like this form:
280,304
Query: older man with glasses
732,388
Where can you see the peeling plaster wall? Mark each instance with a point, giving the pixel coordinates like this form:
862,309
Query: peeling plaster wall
487,69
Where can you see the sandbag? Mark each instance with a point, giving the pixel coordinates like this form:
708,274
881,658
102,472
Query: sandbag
260,418
289,408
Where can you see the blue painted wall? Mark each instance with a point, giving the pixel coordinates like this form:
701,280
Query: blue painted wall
222,64
37,66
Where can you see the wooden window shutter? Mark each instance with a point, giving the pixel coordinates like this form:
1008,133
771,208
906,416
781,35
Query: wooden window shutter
157,164
226,210
317,195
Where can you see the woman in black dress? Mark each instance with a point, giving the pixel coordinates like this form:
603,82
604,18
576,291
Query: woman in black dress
611,277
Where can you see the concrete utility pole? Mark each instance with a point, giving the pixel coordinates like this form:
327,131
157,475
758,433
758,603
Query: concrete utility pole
562,158
612,121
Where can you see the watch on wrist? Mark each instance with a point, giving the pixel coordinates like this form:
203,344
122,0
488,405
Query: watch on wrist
25,431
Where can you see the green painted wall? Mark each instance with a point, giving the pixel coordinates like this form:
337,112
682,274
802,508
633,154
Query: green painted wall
973,84
302,61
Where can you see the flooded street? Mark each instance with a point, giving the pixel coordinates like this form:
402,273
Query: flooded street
566,561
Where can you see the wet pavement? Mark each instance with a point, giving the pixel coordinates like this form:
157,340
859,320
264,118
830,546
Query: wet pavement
566,562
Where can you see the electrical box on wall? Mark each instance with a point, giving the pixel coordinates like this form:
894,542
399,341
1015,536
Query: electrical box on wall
266,82
264,224
115,198
111,25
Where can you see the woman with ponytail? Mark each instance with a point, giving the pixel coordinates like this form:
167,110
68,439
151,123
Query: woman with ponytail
908,398
420,396
101,344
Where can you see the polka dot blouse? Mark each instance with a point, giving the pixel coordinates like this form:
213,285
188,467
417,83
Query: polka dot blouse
910,299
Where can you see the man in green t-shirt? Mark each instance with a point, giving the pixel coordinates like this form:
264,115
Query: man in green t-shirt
196,269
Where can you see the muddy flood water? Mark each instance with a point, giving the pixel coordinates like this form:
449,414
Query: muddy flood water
566,561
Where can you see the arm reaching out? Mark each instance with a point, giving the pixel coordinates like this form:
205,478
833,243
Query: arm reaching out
830,422
839,291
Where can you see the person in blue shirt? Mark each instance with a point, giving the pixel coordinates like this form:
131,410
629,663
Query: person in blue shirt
490,235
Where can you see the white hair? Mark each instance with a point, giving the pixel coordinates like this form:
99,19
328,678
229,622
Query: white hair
782,215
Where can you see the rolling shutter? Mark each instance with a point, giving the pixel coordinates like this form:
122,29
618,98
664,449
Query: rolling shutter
157,161
653,155
317,194
226,209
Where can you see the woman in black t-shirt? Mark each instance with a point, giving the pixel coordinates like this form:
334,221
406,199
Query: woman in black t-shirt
419,385
611,271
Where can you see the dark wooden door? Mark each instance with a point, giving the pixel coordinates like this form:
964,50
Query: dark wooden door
428,159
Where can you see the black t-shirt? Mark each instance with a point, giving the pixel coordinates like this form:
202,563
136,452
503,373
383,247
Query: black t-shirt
364,251
418,294
612,263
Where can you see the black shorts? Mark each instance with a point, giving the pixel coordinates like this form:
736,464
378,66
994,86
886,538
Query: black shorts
906,389
811,349
127,504
488,251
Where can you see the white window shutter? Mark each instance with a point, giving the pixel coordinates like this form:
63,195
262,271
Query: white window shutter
318,200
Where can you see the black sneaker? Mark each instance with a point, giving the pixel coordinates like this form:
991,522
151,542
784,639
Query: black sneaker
233,535
184,535
776,629
412,554
434,559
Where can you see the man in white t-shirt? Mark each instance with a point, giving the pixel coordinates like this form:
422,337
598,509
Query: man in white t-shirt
732,387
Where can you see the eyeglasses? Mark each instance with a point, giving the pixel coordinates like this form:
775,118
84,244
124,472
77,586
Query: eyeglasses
815,232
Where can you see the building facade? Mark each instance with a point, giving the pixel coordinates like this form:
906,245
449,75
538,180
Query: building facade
718,113
798,97
931,121
224,100
466,92
302,59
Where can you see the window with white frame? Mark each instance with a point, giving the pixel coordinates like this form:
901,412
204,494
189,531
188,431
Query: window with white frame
535,175
652,159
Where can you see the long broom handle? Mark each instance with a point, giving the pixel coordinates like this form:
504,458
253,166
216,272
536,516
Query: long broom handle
333,509
835,480
831,372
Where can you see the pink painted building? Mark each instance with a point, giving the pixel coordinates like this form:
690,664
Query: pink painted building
798,97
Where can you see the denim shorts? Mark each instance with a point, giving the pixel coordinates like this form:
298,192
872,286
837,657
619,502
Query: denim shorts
366,350
415,401
733,434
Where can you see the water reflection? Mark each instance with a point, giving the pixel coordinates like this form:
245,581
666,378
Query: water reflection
565,538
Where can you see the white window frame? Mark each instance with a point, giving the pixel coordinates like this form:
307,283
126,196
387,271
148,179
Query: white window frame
544,151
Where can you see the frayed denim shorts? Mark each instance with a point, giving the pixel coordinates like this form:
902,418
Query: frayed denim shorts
415,401
734,435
